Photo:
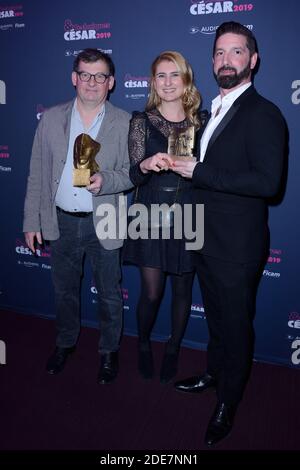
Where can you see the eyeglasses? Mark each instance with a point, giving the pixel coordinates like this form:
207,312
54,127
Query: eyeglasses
98,77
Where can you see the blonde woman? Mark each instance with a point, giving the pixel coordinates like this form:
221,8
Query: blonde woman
173,105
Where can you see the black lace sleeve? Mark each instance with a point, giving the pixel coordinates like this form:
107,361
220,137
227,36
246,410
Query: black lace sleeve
136,146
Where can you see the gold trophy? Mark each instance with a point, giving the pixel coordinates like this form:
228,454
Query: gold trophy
85,151
181,143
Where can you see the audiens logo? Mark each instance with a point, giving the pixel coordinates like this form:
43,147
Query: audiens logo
295,357
74,53
214,7
211,29
2,92
296,94
203,29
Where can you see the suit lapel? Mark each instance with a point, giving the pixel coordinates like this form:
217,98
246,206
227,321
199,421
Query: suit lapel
228,116
226,119
204,120
62,143
107,124
66,125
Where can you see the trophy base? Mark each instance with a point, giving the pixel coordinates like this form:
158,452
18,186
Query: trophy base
81,177
187,158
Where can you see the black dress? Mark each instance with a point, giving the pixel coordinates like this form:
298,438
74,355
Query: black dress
148,135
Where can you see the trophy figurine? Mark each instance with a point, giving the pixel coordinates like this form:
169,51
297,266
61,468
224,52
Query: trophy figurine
85,151
181,143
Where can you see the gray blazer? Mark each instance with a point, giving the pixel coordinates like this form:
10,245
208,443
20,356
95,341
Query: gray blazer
48,156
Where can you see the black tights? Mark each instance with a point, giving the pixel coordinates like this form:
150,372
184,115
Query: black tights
153,282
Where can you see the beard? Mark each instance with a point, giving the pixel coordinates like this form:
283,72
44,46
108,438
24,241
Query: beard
230,81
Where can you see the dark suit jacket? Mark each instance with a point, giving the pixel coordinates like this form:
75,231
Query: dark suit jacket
242,168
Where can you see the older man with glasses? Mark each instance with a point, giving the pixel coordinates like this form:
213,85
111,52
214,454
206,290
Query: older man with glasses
67,213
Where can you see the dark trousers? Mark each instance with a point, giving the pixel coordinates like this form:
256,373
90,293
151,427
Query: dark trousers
78,238
229,293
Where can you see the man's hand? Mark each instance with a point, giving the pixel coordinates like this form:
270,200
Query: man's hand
96,183
30,238
159,161
183,168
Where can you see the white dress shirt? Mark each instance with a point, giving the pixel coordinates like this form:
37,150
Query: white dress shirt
219,107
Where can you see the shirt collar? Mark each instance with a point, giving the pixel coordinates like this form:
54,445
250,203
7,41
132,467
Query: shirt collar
228,99
76,115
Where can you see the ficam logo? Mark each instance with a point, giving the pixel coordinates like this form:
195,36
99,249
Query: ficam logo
6,169
294,320
296,94
76,32
2,352
46,266
2,92
273,274
207,7
295,358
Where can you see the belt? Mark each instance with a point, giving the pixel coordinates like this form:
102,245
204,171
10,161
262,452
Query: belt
74,214
168,188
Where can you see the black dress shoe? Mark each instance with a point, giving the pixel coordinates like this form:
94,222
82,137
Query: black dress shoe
169,367
57,361
145,362
196,384
220,424
108,368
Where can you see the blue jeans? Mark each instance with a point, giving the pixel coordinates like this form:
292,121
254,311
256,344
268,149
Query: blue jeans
77,239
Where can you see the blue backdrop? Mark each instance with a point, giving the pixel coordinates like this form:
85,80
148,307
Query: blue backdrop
39,40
